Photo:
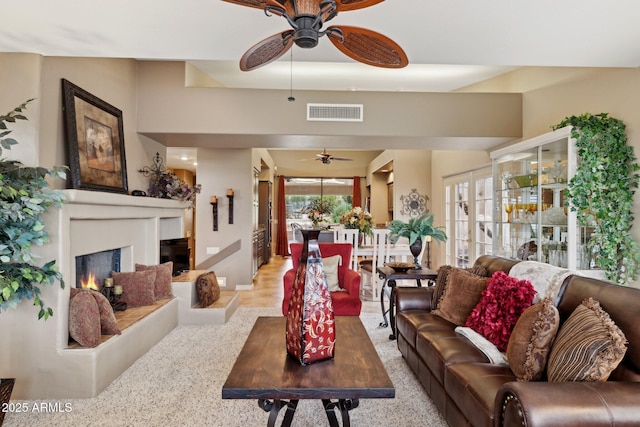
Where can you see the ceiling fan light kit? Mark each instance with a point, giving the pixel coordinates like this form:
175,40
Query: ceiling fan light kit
306,18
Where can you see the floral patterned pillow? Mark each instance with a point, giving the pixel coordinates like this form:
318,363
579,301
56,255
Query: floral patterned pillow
162,284
138,287
499,308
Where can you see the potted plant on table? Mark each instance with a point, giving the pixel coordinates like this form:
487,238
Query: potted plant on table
415,230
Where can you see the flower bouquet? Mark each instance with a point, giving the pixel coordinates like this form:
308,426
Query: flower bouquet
356,218
316,217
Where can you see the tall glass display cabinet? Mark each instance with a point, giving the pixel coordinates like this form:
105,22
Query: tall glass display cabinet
531,218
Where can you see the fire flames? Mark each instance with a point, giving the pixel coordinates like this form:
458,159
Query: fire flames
90,283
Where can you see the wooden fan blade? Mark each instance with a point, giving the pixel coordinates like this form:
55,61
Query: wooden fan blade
261,4
266,51
344,159
344,5
368,47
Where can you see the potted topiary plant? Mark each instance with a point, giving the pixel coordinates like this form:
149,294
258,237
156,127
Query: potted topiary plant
24,197
415,230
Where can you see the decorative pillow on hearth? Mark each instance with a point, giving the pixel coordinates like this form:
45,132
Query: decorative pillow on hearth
162,284
138,287
84,319
108,321
500,307
588,347
443,277
461,294
330,267
208,289
531,340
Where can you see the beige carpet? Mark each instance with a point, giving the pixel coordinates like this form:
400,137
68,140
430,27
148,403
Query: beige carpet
179,382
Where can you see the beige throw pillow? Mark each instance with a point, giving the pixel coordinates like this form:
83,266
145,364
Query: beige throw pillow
330,266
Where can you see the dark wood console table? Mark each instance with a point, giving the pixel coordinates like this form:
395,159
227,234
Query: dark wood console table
389,276
263,371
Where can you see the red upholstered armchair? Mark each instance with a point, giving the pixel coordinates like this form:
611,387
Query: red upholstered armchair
345,303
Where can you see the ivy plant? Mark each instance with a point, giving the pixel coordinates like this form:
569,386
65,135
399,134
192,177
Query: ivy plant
24,197
602,192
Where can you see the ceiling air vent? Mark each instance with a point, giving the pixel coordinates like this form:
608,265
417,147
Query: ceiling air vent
335,112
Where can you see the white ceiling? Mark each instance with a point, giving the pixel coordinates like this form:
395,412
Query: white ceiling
450,44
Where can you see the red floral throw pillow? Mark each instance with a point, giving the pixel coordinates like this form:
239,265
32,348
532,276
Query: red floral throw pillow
500,307
162,285
138,287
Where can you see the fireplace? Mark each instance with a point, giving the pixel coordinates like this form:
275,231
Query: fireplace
95,267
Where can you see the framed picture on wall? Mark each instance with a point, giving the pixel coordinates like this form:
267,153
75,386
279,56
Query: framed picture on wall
95,141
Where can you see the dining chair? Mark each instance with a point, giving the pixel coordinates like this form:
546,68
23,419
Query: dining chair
350,235
380,255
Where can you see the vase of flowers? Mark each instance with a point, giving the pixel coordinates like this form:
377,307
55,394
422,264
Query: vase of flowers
316,217
359,219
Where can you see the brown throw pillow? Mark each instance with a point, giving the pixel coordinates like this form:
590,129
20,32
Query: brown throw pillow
531,340
108,321
588,347
208,289
443,276
162,284
84,319
461,295
138,287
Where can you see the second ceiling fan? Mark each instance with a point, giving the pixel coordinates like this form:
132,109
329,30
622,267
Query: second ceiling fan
306,18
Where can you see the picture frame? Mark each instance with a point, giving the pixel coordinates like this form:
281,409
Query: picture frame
95,141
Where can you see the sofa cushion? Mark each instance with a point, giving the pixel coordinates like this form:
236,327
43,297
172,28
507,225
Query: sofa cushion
408,323
208,289
531,340
588,347
84,319
330,267
162,283
461,295
138,287
443,277
499,308
443,347
475,386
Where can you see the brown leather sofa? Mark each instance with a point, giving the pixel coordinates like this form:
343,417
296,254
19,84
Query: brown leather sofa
469,391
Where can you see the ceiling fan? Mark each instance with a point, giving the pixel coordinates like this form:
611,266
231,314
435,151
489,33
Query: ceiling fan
306,18
327,158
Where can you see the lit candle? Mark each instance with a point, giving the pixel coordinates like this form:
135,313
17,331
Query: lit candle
117,290
108,282
214,199
230,192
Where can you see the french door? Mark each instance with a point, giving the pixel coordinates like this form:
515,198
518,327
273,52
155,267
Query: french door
468,216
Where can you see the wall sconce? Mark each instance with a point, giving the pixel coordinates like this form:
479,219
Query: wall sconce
214,208
230,196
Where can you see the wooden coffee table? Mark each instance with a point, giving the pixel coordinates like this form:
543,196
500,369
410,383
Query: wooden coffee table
264,371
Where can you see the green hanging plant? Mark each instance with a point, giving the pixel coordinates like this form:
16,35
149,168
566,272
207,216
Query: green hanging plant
602,191
24,198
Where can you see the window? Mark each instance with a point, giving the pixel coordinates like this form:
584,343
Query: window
331,196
